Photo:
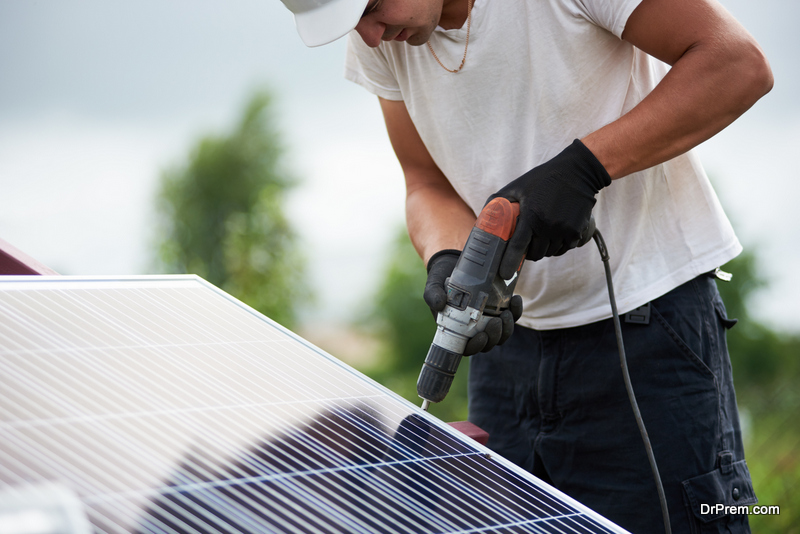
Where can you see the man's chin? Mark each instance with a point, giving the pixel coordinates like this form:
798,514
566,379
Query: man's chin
418,39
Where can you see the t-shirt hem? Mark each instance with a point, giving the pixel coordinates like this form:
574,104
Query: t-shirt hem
651,292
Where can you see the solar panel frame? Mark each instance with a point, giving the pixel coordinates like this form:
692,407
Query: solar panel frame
387,453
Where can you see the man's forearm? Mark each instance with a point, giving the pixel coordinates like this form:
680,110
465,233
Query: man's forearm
713,80
437,219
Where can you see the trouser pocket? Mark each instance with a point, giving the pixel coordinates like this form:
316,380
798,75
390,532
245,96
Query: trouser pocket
717,501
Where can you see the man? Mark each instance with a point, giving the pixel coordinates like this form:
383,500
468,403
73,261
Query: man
574,108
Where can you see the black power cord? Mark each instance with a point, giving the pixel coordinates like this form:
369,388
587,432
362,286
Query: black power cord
601,245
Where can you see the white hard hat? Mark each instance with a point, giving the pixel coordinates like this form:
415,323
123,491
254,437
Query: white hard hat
320,22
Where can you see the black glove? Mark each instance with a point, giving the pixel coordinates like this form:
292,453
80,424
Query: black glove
497,330
556,200
440,267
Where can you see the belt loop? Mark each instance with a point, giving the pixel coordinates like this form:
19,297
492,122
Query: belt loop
640,315
726,462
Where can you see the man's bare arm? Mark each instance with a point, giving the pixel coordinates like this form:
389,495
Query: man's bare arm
437,217
718,72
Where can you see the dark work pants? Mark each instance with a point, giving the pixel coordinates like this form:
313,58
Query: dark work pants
554,403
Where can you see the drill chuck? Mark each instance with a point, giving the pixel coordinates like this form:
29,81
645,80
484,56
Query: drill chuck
437,373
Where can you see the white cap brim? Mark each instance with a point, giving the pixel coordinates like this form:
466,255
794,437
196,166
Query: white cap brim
327,23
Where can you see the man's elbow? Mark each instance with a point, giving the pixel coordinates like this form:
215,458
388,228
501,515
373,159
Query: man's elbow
757,79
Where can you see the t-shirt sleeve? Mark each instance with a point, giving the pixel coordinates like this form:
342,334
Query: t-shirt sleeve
369,67
609,14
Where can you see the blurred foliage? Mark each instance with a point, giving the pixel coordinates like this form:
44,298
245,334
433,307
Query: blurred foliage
220,216
762,358
401,318
766,367
766,371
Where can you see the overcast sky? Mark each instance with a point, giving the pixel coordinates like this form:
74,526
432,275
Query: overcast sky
97,97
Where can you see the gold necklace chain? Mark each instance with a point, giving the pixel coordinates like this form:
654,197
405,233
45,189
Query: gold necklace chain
463,59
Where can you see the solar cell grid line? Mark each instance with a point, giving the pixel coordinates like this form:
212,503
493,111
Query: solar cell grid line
64,378
189,327
205,497
77,349
348,427
45,453
197,311
230,512
22,379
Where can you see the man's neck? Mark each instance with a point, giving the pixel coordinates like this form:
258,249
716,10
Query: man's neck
454,14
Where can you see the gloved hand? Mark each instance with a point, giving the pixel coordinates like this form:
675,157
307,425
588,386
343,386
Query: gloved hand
556,200
497,330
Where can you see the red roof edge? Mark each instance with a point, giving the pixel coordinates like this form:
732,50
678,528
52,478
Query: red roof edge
14,261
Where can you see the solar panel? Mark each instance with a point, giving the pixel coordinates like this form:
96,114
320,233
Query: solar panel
162,404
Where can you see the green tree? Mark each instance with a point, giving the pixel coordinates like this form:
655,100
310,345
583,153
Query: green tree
400,317
220,216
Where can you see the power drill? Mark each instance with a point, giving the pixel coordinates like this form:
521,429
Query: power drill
475,294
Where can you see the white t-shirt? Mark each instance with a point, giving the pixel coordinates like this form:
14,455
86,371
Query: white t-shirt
539,74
